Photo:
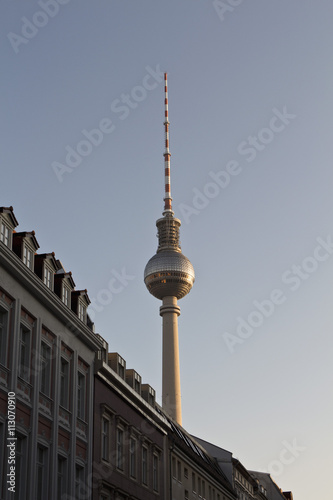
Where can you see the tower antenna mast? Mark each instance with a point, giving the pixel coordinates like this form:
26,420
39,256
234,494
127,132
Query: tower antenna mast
167,198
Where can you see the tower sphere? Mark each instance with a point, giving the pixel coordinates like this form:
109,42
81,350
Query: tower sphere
169,273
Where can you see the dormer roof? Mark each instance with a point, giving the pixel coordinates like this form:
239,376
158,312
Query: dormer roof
9,215
29,236
81,293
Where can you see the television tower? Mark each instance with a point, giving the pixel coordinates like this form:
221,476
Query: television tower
169,276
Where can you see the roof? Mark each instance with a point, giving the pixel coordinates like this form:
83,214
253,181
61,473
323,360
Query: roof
272,489
9,211
196,452
27,234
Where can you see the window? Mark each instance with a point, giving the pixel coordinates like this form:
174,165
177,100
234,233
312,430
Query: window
3,337
62,477
5,234
27,257
186,495
80,490
155,472
42,476
48,275
81,395
174,468
21,467
81,311
121,367
193,483
137,384
185,472
133,446
64,383
45,366
105,439
24,353
144,465
203,488
179,471
65,297
199,486
120,449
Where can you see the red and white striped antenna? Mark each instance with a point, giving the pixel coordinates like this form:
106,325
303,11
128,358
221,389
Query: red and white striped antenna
167,154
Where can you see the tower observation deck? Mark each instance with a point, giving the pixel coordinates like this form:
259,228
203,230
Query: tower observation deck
169,276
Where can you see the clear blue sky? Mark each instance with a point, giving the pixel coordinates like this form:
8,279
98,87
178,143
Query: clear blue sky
250,93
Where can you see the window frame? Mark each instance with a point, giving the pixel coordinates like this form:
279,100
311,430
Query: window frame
156,478
21,463
120,457
42,473
81,310
48,273
5,233
144,466
4,336
28,256
105,439
25,348
133,457
79,479
45,368
62,477
81,395
64,383
66,294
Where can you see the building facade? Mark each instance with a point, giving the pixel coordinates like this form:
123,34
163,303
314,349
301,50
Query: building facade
48,351
129,435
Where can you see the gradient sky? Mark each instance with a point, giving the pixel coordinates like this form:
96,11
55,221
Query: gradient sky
230,71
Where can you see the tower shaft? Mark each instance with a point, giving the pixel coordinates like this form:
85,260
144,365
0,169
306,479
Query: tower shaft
171,394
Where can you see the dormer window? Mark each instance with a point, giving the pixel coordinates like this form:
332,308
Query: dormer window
121,367
5,234
25,246
79,304
63,285
7,224
28,256
66,294
82,311
45,267
48,277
